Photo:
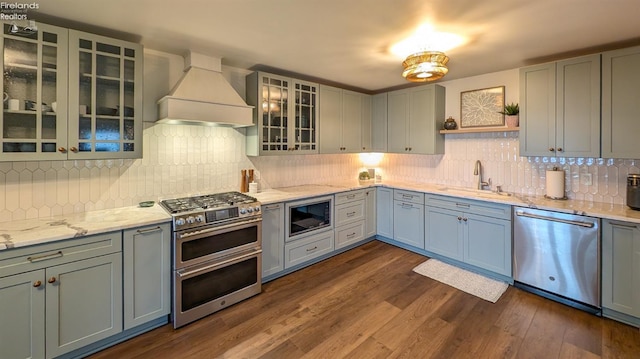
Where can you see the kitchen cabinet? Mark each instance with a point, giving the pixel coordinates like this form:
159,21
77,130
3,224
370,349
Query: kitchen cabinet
621,271
79,96
560,108
370,212
286,115
272,239
384,212
343,114
306,249
147,274
473,232
620,105
378,133
350,212
35,70
408,218
414,119
62,296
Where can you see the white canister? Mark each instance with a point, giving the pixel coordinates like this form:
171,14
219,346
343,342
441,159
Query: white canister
253,187
14,104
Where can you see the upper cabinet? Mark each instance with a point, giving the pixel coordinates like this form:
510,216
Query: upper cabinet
378,128
560,108
286,115
415,117
345,118
620,103
70,95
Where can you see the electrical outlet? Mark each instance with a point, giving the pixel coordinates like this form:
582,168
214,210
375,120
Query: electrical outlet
256,175
586,179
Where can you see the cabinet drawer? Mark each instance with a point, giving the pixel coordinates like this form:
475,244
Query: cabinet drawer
30,258
349,234
349,213
481,208
408,196
350,196
304,250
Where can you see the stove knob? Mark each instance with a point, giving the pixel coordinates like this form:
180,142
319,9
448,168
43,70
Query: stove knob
200,218
191,220
250,210
257,209
179,222
243,211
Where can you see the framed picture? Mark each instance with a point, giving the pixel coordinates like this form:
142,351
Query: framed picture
481,108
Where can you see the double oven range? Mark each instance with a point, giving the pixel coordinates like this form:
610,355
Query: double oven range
217,255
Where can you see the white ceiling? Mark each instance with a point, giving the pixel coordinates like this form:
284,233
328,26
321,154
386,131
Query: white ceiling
347,41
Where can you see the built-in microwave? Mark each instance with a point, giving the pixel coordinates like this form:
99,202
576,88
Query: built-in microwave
308,216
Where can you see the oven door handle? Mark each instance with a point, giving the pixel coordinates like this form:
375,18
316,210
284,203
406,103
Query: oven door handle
235,225
218,264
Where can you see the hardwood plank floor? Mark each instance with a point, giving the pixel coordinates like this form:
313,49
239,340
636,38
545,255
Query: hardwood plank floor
367,303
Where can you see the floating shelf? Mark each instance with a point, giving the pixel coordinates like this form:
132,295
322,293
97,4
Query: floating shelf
481,129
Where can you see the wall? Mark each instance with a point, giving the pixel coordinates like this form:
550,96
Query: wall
184,160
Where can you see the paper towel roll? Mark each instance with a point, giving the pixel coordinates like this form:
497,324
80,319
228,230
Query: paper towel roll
555,184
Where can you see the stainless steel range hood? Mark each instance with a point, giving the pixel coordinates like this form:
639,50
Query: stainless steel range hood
203,96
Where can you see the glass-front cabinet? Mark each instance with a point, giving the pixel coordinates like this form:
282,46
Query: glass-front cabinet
105,97
286,114
34,86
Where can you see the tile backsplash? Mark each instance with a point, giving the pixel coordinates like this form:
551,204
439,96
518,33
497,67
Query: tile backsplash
185,160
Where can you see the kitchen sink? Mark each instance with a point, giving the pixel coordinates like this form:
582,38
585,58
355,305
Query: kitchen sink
479,192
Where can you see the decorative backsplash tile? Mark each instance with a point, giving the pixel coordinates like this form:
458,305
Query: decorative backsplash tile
185,160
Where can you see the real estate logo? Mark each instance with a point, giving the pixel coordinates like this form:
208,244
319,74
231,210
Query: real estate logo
14,11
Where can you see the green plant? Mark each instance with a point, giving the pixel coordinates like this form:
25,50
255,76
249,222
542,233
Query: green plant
511,109
364,175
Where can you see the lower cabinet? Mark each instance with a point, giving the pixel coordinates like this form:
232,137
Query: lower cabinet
272,239
370,212
307,248
621,270
384,212
350,216
147,274
408,218
473,232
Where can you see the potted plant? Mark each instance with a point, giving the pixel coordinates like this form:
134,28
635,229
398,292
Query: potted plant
364,177
511,111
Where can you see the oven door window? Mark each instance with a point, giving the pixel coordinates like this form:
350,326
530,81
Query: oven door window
215,284
309,217
216,243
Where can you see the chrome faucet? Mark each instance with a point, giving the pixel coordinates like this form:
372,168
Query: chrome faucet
477,171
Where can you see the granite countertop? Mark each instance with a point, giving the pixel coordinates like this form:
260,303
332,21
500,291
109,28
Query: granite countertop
37,231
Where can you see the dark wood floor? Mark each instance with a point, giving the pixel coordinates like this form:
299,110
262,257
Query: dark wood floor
367,303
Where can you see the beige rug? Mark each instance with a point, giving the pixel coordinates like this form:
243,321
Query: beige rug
472,283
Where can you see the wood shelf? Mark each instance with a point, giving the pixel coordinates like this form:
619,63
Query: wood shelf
481,129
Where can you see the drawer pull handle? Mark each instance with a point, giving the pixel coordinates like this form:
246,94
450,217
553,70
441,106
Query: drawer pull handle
407,196
45,257
351,214
406,205
312,249
351,235
150,230
350,196
52,280
272,207
465,205
37,284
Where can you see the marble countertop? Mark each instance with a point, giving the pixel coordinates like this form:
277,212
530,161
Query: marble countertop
37,231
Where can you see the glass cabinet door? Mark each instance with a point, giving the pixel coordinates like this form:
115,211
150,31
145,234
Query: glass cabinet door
34,116
306,117
275,114
105,101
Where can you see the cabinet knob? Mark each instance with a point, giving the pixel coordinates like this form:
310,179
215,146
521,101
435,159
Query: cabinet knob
465,219
37,284
559,149
406,148
459,218
410,148
73,149
364,148
62,149
552,149
52,280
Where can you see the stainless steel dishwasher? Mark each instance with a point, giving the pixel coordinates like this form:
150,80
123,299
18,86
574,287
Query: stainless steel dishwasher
557,255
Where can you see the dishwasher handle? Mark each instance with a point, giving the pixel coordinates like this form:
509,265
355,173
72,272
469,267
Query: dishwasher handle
567,221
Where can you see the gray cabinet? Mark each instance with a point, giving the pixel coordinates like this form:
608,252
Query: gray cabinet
414,119
621,270
384,212
473,232
620,104
378,123
272,239
408,218
560,108
67,295
350,216
147,274
342,115
286,115
306,249
370,212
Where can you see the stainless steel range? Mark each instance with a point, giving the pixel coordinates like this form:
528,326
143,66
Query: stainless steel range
217,259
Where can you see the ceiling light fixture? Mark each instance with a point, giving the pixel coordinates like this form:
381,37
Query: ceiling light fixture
425,66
